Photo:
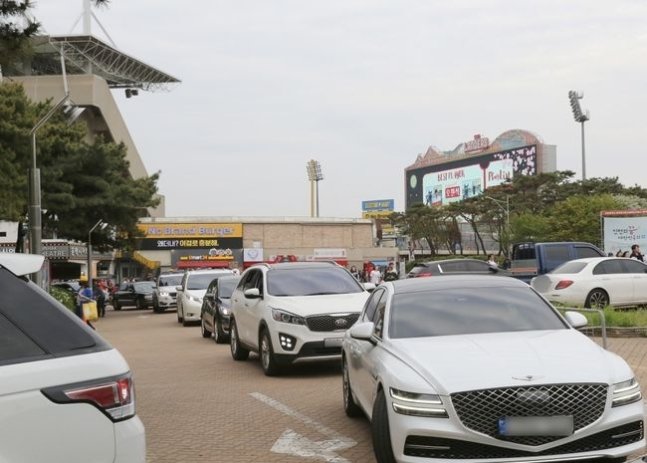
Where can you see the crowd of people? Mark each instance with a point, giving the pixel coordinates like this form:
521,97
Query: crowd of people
635,253
372,273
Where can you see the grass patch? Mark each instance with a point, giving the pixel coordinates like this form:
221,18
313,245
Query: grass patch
619,318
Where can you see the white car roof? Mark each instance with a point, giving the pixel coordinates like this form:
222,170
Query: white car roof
21,264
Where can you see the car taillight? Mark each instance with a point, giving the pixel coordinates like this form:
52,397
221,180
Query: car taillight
424,274
114,396
564,284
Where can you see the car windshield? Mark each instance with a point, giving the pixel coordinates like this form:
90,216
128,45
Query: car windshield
170,280
480,310
319,281
569,267
144,286
200,280
226,287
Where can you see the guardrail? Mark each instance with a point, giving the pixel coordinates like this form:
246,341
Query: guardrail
603,322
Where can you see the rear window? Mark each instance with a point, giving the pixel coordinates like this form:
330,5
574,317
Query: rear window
457,311
197,281
33,325
311,282
569,267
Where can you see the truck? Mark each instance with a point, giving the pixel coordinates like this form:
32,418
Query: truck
532,259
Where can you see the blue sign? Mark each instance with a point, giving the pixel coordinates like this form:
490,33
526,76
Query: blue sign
378,205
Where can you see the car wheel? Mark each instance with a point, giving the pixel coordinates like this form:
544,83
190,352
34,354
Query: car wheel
268,361
597,299
238,352
116,305
180,318
219,334
203,329
350,407
380,430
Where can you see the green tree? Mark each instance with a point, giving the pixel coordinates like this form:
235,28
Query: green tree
80,182
16,31
578,218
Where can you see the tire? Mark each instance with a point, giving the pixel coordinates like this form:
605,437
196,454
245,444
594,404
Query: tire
380,430
266,352
219,335
116,305
597,299
203,329
180,319
350,407
238,352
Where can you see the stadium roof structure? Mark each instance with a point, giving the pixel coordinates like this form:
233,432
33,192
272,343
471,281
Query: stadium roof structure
87,54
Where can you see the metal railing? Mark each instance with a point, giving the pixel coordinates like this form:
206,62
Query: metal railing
603,322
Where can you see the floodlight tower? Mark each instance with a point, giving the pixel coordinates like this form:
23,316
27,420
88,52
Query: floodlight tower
314,175
580,117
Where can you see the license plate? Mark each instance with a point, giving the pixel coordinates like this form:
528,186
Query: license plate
536,425
332,342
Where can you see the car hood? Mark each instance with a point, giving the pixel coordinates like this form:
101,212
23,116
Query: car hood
306,306
483,361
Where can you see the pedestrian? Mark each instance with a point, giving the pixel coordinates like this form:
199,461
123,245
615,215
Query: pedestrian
635,253
375,276
390,274
84,295
100,296
491,262
619,253
625,254
355,272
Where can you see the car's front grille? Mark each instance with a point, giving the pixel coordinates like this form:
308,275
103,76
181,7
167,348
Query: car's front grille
481,410
172,294
332,322
435,447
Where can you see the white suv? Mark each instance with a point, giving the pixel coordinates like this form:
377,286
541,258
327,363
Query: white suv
165,293
66,395
293,312
191,291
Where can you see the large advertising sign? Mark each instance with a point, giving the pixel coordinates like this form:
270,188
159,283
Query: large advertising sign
164,236
465,178
205,257
620,233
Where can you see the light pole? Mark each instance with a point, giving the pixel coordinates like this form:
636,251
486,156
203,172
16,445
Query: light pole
580,117
103,225
35,208
506,210
314,175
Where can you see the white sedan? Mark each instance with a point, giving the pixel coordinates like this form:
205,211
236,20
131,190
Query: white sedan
475,368
595,282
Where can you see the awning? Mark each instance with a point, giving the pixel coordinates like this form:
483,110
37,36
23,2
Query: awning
202,264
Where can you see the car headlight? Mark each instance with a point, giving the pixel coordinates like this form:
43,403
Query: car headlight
224,310
626,392
164,294
415,404
287,317
195,299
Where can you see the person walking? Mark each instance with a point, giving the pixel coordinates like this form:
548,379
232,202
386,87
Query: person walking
391,273
375,276
354,272
491,262
84,295
100,298
636,254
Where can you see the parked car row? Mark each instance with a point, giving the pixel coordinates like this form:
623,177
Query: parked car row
461,367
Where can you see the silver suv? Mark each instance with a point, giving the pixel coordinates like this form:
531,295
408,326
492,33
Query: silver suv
165,294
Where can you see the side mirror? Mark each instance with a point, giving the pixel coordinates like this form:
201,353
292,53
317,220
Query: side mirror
576,319
252,293
178,288
369,287
362,331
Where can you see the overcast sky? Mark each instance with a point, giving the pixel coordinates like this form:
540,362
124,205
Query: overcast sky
364,86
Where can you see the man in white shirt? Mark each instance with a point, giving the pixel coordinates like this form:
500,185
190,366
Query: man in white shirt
375,276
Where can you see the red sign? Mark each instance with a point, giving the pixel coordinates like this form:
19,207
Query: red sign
452,192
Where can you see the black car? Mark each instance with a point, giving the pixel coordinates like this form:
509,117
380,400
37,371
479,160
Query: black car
216,308
138,294
455,267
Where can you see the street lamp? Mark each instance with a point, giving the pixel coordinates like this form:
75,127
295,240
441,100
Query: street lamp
103,225
314,175
506,210
580,117
35,210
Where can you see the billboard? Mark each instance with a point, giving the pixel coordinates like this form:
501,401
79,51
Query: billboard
444,183
163,236
377,208
622,229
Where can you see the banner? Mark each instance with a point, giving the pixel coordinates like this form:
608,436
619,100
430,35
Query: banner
620,233
149,244
191,230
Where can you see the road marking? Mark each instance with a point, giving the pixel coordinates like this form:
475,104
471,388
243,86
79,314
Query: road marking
292,443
